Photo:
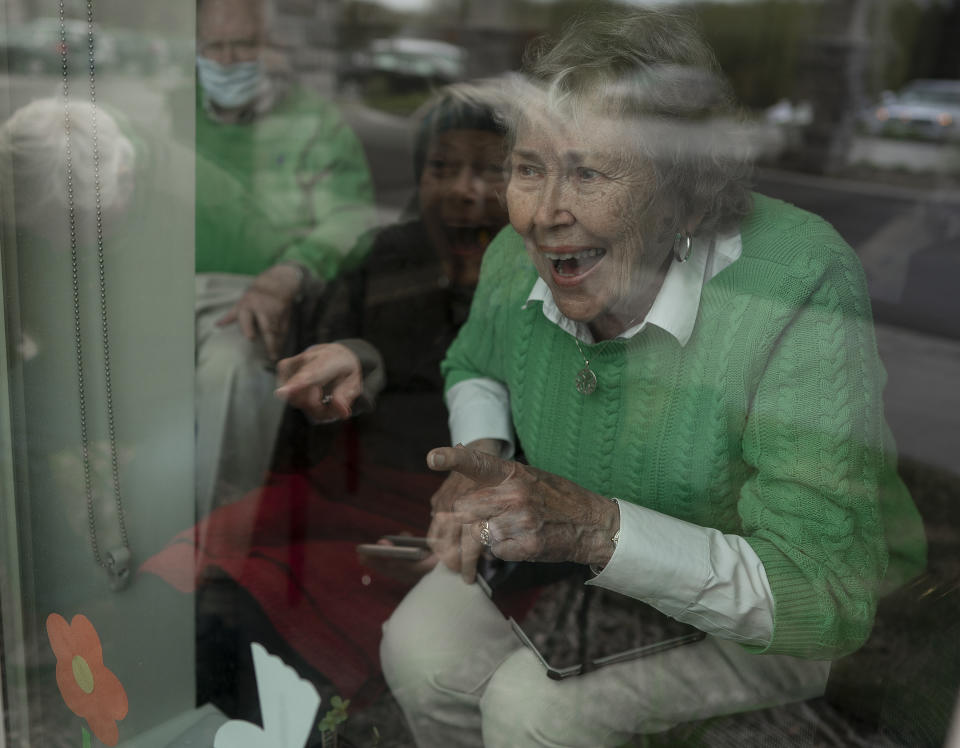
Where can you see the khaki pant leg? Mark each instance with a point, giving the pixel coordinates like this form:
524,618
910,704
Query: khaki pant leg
237,414
439,648
462,678
522,707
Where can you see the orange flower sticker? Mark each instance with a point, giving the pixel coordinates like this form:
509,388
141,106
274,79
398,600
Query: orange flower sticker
89,689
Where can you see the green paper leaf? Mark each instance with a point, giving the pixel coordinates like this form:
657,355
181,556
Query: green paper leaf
335,716
85,737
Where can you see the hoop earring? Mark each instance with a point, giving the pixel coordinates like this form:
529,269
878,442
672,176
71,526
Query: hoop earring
682,255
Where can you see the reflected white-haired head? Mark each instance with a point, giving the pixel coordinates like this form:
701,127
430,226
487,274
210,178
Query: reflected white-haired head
34,161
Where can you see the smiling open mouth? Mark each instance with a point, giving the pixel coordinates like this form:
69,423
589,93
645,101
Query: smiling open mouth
571,265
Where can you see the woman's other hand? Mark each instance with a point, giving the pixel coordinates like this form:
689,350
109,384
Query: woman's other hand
530,514
458,549
323,381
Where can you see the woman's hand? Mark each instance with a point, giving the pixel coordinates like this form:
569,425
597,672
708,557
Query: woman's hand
323,381
457,549
531,515
265,307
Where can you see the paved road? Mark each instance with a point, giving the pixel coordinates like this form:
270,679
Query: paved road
922,397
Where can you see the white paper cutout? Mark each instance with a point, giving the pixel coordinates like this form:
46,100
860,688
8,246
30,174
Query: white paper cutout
288,704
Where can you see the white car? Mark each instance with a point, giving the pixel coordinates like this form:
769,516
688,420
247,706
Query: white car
407,63
922,109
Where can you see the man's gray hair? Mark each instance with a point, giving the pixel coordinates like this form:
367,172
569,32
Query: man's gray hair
652,71
33,159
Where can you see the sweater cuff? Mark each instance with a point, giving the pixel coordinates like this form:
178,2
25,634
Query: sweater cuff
320,261
798,621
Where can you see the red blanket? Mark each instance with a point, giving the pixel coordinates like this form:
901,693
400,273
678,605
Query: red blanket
291,545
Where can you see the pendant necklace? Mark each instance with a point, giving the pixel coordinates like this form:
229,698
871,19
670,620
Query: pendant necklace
586,381
117,561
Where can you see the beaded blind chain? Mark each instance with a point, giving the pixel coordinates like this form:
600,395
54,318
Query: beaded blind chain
117,562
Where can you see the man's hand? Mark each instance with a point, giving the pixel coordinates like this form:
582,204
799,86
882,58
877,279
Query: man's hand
323,381
530,514
265,307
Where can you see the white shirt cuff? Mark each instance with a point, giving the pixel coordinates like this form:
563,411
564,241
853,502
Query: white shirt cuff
695,574
480,409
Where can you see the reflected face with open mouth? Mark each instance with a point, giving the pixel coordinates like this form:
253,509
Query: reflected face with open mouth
461,192
584,201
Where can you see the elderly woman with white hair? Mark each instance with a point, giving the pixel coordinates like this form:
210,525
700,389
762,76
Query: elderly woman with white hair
692,374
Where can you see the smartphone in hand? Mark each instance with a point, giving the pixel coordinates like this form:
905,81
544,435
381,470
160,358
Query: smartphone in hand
400,547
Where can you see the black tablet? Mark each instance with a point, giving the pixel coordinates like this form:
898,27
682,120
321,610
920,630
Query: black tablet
574,628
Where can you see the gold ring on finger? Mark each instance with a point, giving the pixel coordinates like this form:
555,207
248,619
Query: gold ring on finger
485,536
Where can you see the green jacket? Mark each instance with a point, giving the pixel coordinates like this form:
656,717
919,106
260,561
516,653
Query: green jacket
304,169
768,423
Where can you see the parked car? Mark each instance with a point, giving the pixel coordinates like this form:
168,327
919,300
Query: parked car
36,46
925,108
405,63
141,53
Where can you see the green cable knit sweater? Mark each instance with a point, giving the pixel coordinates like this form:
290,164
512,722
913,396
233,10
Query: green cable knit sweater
768,423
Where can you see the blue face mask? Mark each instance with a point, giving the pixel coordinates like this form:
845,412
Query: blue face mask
229,86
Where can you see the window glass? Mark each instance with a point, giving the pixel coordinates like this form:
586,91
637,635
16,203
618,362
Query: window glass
676,276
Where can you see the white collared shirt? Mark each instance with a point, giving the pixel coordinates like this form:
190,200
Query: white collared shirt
695,574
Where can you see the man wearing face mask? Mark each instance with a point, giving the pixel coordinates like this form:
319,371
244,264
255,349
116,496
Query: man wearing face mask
306,171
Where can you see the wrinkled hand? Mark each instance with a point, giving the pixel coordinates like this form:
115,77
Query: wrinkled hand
457,549
265,307
323,381
454,546
532,515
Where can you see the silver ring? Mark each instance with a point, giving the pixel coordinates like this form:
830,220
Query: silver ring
326,399
485,536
